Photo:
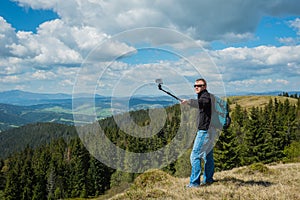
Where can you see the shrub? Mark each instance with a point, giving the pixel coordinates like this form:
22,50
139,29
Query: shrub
292,152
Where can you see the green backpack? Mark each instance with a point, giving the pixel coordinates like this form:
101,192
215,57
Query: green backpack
220,118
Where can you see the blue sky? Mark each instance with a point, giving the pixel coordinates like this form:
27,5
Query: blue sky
268,31
245,46
24,18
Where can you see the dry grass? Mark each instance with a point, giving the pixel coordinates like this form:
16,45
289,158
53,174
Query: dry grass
257,101
281,181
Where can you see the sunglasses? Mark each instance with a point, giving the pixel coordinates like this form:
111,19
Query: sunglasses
198,86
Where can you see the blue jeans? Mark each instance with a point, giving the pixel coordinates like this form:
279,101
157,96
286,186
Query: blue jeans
202,145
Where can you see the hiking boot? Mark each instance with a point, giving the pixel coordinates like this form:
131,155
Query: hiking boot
206,184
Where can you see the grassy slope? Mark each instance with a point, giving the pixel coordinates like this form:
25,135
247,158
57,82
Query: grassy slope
281,181
257,101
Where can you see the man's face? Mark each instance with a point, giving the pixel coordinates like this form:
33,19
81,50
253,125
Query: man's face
199,86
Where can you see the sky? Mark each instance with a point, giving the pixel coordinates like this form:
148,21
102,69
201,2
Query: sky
120,47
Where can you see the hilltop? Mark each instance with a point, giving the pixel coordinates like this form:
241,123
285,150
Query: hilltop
257,101
257,181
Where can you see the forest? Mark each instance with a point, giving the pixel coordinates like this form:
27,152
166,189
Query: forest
65,169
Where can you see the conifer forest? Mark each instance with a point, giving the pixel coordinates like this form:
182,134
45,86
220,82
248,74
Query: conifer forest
63,168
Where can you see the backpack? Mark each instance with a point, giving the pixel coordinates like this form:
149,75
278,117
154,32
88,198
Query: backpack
220,118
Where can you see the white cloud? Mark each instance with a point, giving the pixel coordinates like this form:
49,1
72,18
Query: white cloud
56,43
244,83
288,40
282,81
245,63
295,24
37,4
204,20
267,81
10,79
136,18
86,37
59,46
231,37
257,85
7,36
66,83
43,75
47,47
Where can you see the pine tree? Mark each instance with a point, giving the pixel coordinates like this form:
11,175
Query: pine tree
13,188
296,135
51,184
226,151
268,126
40,164
102,177
240,119
2,175
79,165
254,138
276,126
27,175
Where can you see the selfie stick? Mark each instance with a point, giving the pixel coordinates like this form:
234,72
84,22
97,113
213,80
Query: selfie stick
159,81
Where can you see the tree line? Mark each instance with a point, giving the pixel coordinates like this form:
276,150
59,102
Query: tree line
260,134
286,94
65,169
55,171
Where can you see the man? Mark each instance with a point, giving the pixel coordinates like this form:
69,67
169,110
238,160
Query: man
202,148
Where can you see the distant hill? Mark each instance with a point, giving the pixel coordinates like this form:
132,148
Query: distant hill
23,98
18,108
12,116
18,97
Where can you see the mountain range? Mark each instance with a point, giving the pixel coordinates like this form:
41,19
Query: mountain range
23,98
18,108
